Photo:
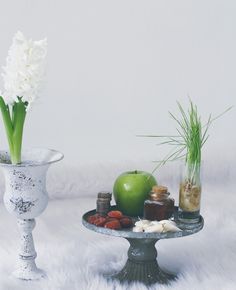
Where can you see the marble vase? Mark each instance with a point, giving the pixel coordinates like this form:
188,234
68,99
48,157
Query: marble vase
26,198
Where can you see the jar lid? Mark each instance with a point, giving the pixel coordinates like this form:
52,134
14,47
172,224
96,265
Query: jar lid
159,192
159,189
104,194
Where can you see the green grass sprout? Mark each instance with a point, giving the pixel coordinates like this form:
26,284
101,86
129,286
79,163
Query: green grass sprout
190,138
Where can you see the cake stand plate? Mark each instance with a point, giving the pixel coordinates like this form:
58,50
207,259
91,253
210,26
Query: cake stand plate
142,265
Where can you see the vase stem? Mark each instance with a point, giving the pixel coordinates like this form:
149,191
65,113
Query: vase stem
27,269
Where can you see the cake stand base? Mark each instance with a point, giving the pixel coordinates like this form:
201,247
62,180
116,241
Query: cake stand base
142,265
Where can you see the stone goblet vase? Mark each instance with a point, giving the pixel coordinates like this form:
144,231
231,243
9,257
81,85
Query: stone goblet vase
26,198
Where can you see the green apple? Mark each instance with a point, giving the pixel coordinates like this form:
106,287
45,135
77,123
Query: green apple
130,191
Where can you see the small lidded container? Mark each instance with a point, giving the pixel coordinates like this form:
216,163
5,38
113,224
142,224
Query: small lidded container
103,202
159,206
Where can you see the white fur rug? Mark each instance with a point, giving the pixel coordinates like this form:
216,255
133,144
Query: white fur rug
75,258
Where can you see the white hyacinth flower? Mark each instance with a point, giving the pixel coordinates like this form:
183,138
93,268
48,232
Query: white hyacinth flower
24,69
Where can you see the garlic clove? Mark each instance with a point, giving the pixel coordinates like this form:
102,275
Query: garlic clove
137,229
168,227
142,223
156,228
155,223
167,222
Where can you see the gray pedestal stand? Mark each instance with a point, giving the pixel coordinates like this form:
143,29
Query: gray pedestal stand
142,265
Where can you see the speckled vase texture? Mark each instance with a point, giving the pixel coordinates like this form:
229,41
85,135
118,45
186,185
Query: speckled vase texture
26,198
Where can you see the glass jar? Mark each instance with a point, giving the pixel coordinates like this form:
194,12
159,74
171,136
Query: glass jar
190,194
159,206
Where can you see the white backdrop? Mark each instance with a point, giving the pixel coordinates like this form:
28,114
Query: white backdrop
115,69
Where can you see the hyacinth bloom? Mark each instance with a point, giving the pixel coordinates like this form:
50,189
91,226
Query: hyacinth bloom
22,77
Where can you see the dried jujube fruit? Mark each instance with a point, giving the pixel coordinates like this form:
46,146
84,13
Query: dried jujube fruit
126,222
114,220
100,221
109,219
114,225
92,218
115,214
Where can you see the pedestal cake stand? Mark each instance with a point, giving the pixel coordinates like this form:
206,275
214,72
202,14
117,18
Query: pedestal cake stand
142,265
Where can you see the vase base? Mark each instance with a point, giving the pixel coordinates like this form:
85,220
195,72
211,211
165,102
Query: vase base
36,274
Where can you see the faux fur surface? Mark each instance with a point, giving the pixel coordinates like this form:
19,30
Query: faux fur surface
75,258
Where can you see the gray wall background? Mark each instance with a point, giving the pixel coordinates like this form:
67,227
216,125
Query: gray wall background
115,69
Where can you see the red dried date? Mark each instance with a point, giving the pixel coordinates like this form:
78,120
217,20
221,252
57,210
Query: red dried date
114,225
114,220
92,218
100,221
108,219
126,222
115,214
